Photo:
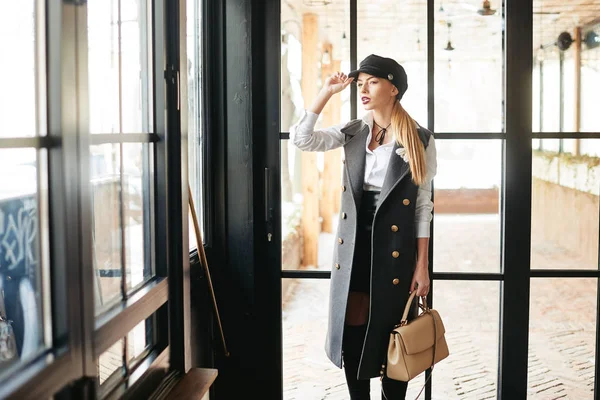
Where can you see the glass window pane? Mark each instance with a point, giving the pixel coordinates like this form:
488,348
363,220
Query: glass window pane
195,112
469,58
467,192
567,107
136,214
291,209
561,75
121,200
118,66
315,43
103,60
303,243
122,358
397,30
18,105
140,339
562,336
568,186
106,203
590,81
550,94
122,230
21,328
307,372
111,362
471,370
132,65
590,148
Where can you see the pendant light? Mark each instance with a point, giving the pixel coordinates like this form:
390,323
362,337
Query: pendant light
449,46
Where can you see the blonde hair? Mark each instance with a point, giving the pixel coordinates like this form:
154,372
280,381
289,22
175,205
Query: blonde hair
406,134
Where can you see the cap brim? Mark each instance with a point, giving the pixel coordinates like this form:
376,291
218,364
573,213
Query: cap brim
367,70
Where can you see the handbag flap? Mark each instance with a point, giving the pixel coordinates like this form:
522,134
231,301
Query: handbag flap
417,335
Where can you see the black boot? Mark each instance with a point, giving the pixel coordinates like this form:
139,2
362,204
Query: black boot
352,345
392,389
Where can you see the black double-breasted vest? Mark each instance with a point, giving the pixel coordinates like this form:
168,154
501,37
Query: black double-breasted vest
393,255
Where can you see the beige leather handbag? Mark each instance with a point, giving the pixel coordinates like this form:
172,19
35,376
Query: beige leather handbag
416,345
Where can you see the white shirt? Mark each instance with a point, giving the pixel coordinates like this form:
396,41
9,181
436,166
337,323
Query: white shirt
304,136
376,163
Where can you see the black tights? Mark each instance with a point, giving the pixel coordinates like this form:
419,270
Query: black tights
360,389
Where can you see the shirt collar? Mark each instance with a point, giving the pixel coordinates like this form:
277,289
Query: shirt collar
368,119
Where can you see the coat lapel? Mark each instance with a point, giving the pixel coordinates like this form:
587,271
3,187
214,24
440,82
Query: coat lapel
355,161
396,171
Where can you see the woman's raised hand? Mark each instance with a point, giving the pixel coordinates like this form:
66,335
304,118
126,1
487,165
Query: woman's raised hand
337,82
332,85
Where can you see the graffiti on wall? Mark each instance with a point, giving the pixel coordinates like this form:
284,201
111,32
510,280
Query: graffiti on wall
19,265
18,236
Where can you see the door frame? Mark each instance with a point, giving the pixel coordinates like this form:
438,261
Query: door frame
515,208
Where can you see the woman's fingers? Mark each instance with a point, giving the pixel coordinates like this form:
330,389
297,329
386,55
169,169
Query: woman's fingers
341,76
423,290
339,81
413,286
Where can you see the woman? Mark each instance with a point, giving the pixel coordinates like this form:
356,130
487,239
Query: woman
381,253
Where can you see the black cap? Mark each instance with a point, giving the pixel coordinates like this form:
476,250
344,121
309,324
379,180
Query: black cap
385,68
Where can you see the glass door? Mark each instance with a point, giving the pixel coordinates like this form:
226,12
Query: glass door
489,80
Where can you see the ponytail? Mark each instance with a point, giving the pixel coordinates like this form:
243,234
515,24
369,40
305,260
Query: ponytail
406,134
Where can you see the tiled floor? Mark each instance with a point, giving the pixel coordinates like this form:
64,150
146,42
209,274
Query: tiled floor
562,322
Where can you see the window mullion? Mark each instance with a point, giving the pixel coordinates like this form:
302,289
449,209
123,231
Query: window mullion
516,212
81,132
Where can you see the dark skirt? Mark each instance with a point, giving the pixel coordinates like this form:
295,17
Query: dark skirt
360,280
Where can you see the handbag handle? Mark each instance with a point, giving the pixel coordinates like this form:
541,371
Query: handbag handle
407,307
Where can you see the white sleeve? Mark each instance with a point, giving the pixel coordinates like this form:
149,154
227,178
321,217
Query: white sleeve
304,136
424,207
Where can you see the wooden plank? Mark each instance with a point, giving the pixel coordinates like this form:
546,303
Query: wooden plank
194,385
332,169
310,173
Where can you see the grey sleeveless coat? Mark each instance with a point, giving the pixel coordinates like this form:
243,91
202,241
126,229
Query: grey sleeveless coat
393,250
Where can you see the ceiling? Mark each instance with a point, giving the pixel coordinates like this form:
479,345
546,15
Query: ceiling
398,28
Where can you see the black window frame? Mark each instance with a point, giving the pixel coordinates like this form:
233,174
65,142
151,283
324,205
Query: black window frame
69,368
516,273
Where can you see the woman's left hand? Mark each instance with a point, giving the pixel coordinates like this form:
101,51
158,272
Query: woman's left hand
420,280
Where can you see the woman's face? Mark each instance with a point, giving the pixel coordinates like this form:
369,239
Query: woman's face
375,92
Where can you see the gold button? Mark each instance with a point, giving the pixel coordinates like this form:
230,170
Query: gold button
337,266
396,281
394,228
344,215
406,202
395,254
340,240
343,188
